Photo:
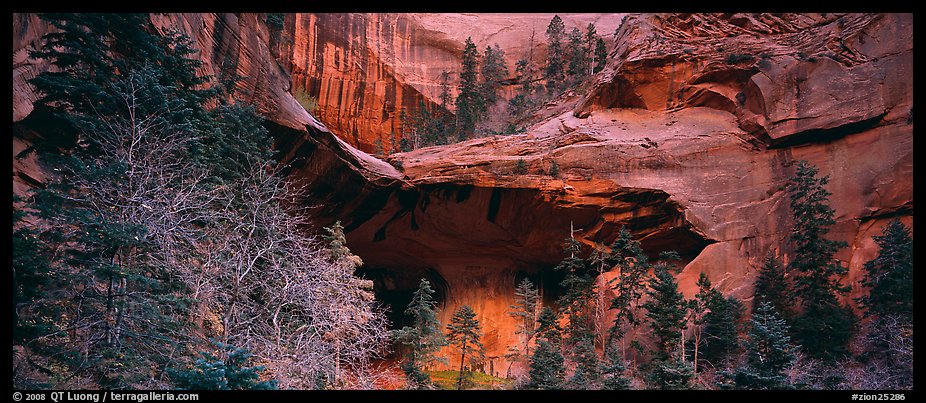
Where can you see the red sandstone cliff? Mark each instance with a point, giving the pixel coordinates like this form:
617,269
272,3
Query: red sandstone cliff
365,69
683,138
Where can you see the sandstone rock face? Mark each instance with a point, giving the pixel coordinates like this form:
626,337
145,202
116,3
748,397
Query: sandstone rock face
365,69
683,138
701,139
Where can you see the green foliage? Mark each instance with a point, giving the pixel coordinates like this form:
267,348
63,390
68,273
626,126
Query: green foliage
470,102
633,264
33,275
613,369
554,169
670,373
601,55
736,58
423,339
524,311
547,365
772,286
520,167
577,297
425,128
824,327
578,59
464,333
721,337
666,308
228,371
889,276
494,71
554,73
588,368
768,353
233,144
308,102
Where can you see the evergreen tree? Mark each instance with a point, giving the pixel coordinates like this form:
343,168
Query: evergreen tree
578,60
555,71
464,334
588,367
520,167
613,369
670,373
470,104
445,97
33,276
547,365
698,314
825,326
494,71
772,286
525,311
890,274
423,339
226,372
633,264
577,295
554,169
768,353
601,55
721,325
588,47
666,308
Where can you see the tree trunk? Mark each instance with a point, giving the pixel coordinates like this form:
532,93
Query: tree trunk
462,360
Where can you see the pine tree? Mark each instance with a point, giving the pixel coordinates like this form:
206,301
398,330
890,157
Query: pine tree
890,274
588,367
445,97
494,71
666,308
698,313
601,55
772,286
525,311
465,334
721,328
554,169
423,339
226,372
588,47
577,296
825,326
628,257
670,373
613,369
768,352
520,167
547,365
470,104
578,61
555,71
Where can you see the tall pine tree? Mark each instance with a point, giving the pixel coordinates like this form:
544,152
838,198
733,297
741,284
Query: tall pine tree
494,71
470,103
547,365
554,72
464,333
889,276
423,339
768,353
824,326
772,286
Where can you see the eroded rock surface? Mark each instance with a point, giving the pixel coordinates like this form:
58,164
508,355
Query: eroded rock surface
685,138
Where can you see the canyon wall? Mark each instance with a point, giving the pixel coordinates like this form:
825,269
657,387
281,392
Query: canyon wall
365,69
686,138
